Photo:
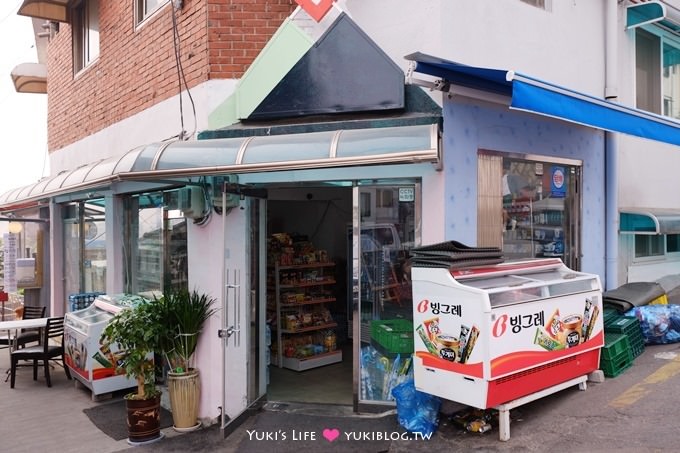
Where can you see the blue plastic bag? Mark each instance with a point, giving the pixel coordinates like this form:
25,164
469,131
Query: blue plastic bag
417,412
660,323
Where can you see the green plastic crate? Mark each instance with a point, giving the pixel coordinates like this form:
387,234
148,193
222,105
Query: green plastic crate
609,315
616,355
395,335
629,326
613,368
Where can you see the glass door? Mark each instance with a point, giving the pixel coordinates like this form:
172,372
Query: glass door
243,311
386,227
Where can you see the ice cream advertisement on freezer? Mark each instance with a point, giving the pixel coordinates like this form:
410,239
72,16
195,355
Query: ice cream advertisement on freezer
519,336
447,340
526,335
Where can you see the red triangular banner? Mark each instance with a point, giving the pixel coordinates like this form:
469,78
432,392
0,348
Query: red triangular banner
316,8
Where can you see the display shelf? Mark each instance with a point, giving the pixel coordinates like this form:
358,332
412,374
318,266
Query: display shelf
300,294
314,361
328,281
309,302
311,328
536,229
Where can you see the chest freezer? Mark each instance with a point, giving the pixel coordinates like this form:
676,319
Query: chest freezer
92,363
488,335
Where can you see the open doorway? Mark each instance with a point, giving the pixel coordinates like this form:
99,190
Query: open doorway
310,354
337,274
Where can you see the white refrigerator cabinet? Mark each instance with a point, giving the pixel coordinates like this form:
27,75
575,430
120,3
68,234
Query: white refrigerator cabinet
488,335
91,363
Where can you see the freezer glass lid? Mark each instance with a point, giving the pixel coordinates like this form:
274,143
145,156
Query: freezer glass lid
504,281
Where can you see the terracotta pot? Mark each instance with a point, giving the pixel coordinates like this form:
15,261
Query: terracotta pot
185,391
144,419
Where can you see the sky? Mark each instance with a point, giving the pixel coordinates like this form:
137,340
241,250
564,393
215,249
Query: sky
23,116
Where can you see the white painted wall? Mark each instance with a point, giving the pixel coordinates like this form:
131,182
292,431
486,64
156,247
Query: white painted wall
648,174
155,124
564,46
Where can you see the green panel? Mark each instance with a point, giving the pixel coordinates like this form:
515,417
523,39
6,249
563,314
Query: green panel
643,14
280,54
637,223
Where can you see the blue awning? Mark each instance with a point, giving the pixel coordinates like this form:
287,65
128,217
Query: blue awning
536,96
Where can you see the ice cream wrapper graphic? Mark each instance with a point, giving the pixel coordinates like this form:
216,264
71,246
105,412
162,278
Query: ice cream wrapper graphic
431,348
469,345
554,325
587,316
432,328
464,332
546,342
591,324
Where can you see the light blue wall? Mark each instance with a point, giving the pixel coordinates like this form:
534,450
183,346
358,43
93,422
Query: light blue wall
470,126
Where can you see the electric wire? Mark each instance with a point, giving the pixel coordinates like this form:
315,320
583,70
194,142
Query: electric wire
181,78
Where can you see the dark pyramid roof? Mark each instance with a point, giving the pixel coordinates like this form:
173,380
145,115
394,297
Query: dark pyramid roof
345,71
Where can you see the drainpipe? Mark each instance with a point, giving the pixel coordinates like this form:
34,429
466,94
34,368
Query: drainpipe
611,149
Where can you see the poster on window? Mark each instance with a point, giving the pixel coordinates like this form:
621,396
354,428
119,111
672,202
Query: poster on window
558,182
10,250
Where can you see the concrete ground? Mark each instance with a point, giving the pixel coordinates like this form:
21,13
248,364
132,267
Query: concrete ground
636,411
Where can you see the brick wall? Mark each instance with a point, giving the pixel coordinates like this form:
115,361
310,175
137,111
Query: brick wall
136,67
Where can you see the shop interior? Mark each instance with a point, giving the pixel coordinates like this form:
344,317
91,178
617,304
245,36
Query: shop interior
309,305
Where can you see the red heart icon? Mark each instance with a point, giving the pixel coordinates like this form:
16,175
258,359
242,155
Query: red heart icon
316,8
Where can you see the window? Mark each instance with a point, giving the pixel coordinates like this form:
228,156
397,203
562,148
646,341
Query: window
84,247
85,34
156,256
657,73
145,8
673,243
648,245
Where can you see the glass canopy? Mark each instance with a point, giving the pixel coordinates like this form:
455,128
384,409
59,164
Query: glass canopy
350,147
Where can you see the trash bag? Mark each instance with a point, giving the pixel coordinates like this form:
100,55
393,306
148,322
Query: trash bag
660,323
417,412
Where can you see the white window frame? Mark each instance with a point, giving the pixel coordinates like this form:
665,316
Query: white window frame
85,29
144,9
660,105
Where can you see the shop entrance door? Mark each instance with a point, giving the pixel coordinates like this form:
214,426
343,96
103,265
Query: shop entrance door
386,225
243,311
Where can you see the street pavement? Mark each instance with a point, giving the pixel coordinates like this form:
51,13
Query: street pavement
636,411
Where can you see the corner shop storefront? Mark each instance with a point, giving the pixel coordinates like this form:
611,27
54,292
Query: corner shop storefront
374,175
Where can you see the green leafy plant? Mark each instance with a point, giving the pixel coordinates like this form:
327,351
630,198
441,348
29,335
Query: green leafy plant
185,315
137,331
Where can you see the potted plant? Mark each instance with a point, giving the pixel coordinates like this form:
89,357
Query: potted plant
185,314
135,333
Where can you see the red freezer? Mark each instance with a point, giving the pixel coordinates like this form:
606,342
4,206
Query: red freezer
488,335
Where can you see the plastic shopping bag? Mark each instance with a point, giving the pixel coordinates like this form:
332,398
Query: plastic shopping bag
417,412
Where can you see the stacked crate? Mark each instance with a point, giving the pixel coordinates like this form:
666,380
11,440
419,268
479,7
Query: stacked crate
623,342
616,355
629,326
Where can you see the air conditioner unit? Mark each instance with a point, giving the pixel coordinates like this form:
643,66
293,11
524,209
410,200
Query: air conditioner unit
217,183
191,202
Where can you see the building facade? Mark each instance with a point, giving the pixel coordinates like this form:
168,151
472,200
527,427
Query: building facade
210,144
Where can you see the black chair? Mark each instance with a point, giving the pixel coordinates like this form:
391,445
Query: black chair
44,352
30,335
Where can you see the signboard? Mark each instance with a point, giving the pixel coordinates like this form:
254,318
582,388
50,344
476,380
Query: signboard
10,249
316,8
